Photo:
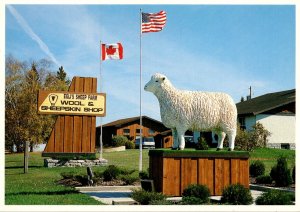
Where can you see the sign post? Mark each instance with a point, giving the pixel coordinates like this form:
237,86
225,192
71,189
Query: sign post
26,156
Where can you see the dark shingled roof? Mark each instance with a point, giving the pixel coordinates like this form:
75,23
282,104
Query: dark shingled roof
129,120
266,102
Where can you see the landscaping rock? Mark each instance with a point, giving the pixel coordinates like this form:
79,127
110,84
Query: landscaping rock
49,162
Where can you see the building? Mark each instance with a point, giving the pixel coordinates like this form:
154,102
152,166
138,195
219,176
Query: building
130,127
276,112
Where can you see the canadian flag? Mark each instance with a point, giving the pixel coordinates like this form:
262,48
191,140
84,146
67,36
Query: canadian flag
112,51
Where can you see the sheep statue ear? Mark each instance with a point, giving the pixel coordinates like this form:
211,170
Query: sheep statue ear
163,78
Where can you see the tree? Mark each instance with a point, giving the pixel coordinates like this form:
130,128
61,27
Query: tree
14,133
33,123
22,123
62,75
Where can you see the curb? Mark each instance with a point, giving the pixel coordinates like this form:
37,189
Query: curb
267,188
106,188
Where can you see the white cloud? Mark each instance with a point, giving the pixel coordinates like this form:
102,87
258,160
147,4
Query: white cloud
32,34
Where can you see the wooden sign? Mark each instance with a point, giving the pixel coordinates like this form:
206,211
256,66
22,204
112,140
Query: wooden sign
71,103
74,135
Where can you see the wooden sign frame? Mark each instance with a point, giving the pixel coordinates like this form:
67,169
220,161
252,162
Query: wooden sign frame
74,135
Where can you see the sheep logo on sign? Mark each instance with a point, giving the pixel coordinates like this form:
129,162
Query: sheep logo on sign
53,99
194,110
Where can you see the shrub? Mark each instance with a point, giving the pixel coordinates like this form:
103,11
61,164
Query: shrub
119,140
129,145
264,179
111,172
83,179
189,143
257,168
280,173
129,179
160,202
249,140
195,194
144,175
260,135
124,171
274,197
145,197
293,174
68,175
243,140
291,195
201,145
236,194
192,201
98,174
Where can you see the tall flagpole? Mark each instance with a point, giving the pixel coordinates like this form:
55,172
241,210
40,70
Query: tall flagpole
100,80
141,122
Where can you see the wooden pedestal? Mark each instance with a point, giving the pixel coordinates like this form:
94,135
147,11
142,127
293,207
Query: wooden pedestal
173,170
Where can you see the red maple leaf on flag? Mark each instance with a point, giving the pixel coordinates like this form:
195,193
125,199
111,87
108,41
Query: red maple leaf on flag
111,50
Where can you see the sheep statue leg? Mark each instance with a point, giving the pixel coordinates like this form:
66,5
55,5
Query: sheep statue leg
231,137
221,137
175,139
181,140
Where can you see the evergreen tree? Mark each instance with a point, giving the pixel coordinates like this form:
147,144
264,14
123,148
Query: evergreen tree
62,75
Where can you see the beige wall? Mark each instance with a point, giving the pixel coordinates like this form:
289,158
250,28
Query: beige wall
281,127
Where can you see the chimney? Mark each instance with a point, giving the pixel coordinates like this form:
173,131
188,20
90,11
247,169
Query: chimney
250,94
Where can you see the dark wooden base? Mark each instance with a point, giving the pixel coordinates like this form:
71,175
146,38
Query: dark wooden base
173,170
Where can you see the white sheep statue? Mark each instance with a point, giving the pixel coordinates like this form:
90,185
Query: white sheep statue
194,110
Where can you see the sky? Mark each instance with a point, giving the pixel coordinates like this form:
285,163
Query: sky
218,48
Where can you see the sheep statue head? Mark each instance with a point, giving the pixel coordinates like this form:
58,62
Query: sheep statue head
183,110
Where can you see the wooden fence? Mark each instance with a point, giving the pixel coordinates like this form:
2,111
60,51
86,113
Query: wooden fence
173,171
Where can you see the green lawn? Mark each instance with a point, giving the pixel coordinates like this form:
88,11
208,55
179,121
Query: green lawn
269,157
40,187
128,159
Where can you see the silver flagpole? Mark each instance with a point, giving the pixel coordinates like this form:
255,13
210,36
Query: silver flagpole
141,121
100,79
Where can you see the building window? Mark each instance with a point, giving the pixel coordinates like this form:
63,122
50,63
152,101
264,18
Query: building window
126,131
242,123
137,131
285,146
151,132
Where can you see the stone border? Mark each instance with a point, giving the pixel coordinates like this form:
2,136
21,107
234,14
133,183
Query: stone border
49,162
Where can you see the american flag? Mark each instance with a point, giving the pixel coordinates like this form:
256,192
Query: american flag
153,22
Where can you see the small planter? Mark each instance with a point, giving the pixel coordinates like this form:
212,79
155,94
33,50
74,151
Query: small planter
147,185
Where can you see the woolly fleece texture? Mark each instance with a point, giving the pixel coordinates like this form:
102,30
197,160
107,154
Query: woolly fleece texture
194,110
